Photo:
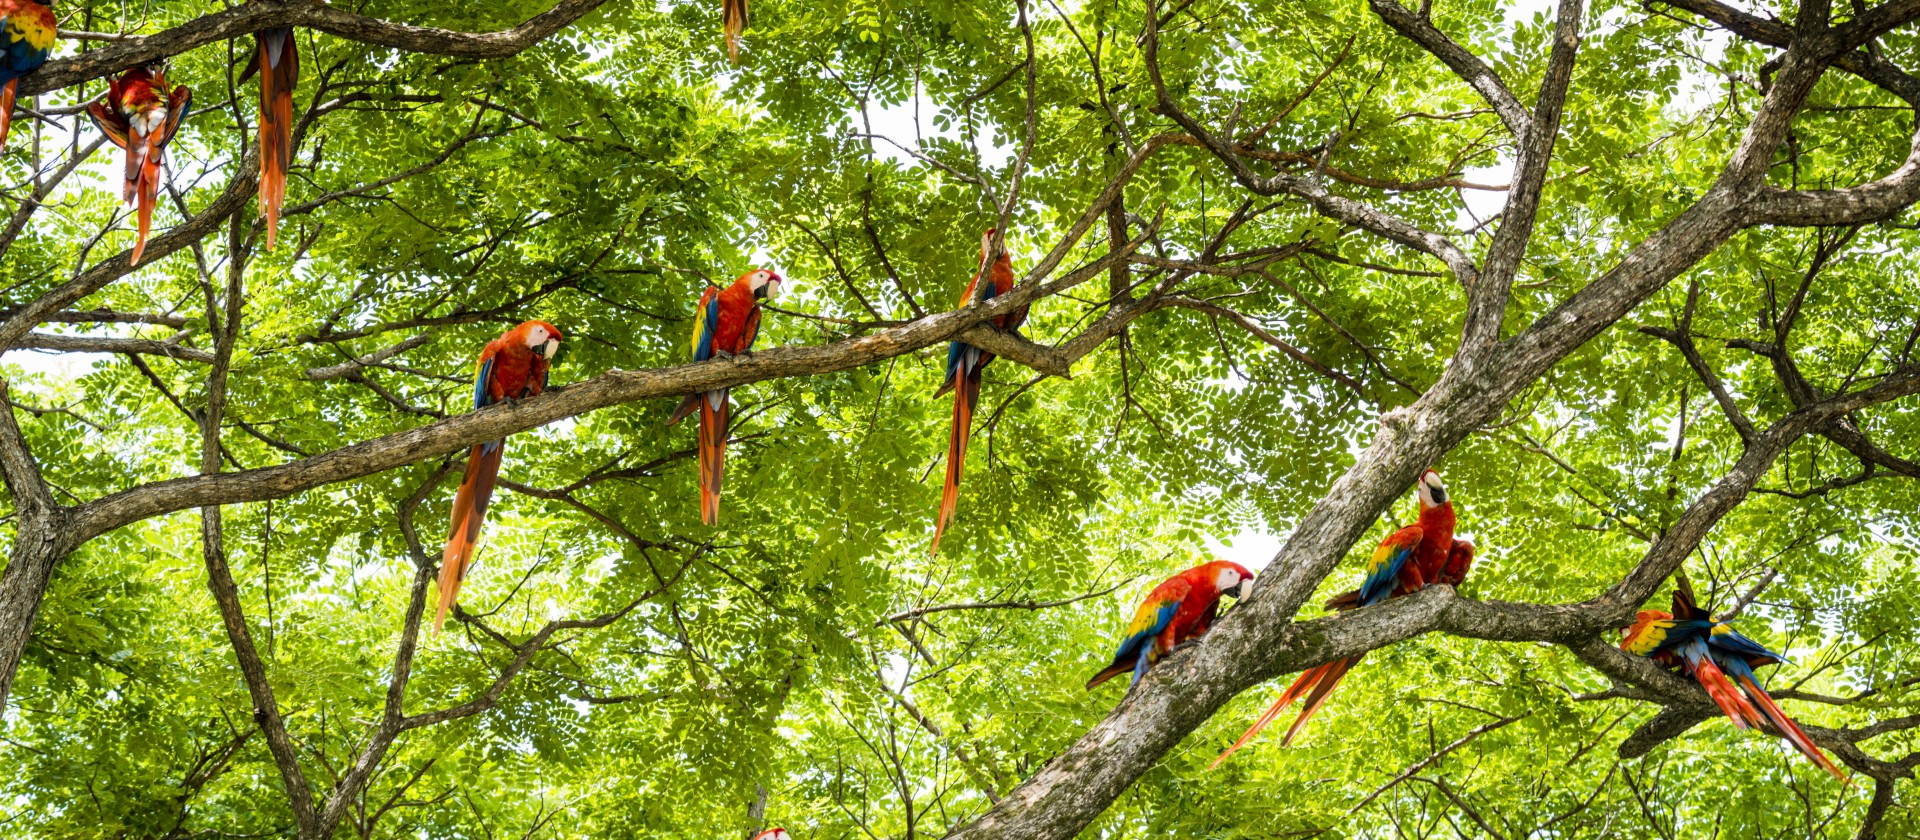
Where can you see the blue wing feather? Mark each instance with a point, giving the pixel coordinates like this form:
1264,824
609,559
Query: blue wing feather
1382,578
707,328
482,399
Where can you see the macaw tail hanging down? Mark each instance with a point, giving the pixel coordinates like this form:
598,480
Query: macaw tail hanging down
733,21
27,30
277,60
965,364
141,117
725,324
511,367
1180,609
1404,562
1720,658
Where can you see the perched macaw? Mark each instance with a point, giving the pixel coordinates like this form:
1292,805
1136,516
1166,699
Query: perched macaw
141,117
277,60
1404,562
1180,609
965,363
511,367
29,30
1690,640
773,834
733,21
725,325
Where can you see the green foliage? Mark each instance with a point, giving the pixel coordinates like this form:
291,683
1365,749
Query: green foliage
600,178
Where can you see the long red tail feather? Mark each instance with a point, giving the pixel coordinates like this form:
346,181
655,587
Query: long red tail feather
147,194
276,121
463,534
1301,685
713,452
1724,694
1789,729
1322,692
6,108
966,394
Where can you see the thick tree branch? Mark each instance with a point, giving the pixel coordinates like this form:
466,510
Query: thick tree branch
248,18
1419,29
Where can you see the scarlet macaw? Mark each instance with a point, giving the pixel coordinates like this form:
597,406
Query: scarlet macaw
773,834
965,363
1403,563
29,30
277,60
141,118
733,21
1180,609
1690,640
725,325
511,367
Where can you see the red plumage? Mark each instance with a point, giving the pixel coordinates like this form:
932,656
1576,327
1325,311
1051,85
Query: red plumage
965,373
278,62
1180,609
726,323
1436,558
513,366
140,117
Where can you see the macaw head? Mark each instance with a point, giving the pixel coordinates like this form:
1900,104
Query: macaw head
773,834
764,284
1232,579
986,247
1432,493
542,338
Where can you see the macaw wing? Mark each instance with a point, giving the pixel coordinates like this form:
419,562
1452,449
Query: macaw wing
483,374
1726,641
110,122
28,32
1384,567
1648,634
1157,612
538,374
706,320
751,330
177,106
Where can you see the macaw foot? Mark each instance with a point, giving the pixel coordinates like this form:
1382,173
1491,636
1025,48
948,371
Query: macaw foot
723,354
1184,645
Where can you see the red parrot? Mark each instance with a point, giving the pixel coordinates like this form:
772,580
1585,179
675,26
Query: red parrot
1403,563
140,117
277,60
725,325
1690,640
733,21
773,834
1179,610
511,367
27,32
965,363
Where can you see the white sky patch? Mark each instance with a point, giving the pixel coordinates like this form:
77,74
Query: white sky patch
1484,204
1250,548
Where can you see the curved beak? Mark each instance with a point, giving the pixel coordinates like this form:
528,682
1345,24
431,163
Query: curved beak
550,349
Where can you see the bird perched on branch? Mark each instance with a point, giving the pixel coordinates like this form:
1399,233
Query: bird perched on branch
724,325
965,364
1403,563
1179,610
141,116
511,367
28,29
733,21
277,60
1692,641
